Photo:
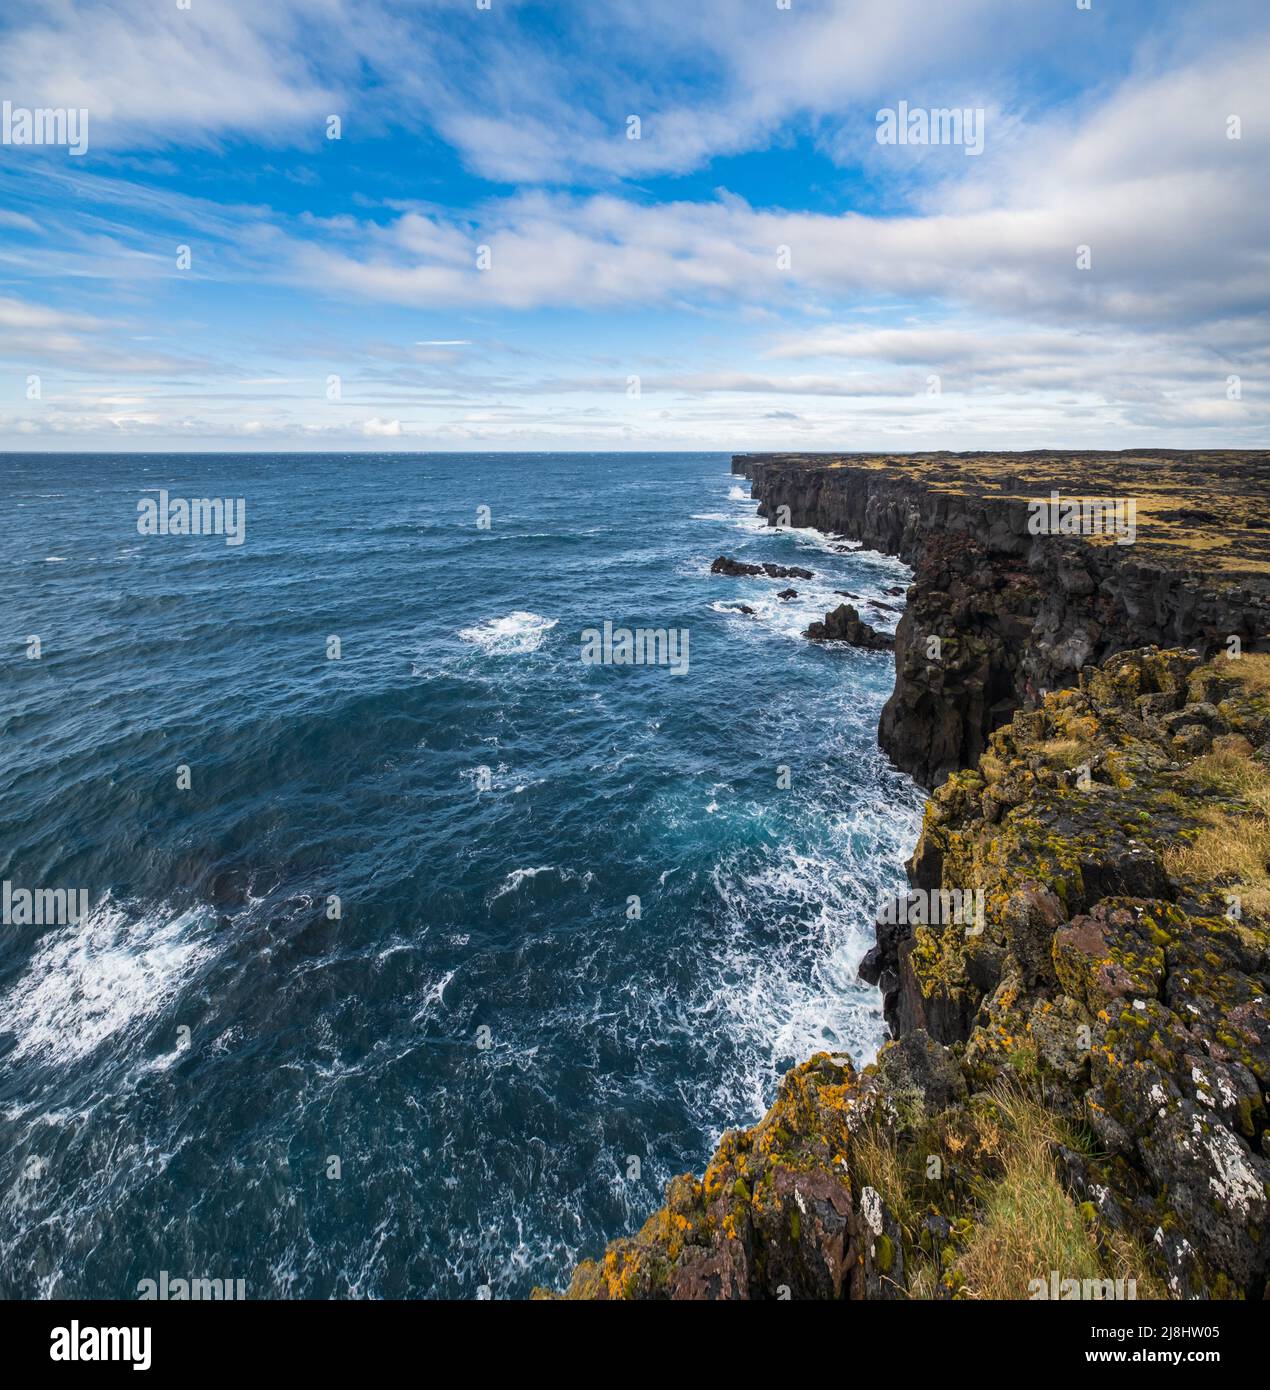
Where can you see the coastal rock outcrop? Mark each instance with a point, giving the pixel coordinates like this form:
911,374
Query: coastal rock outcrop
1076,1099
844,624
1092,1042
999,613
739,569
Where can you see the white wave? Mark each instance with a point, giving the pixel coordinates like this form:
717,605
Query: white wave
433,997
810,538
98,979
474,776
518,876
513,635
783,1000
739,494
789,618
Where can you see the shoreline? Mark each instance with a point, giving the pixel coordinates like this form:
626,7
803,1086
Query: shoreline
1107,989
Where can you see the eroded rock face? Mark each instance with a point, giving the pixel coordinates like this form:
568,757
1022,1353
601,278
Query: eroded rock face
1138,1001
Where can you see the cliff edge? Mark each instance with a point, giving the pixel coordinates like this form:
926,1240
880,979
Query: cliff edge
999,611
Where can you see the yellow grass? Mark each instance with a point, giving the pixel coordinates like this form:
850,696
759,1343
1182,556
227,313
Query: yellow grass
1233,843
1252,669
1018,1222
1066,752
1030,1225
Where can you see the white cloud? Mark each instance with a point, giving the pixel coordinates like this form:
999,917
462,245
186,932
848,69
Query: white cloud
157,75
1176,217
527,102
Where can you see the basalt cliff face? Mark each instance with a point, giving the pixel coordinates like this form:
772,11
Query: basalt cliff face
1016,613
1075,1102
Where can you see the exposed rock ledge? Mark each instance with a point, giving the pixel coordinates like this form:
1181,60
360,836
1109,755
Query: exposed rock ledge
1077,1097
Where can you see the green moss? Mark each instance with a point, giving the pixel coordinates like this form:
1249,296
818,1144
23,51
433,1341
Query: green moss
976,1224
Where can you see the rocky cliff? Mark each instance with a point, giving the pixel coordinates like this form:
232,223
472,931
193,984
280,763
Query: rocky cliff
1075,1102
997,614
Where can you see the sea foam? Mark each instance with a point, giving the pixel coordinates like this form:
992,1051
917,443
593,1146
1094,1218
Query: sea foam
513,635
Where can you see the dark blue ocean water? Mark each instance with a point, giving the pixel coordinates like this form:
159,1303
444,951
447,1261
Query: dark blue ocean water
126,1150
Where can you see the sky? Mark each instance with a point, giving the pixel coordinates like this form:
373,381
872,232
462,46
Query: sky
635,224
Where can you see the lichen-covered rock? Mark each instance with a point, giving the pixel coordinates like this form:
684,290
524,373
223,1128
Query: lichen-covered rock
1108,955
1030,917
878,1272
914,1068
1106,976
1132,1002
773,1216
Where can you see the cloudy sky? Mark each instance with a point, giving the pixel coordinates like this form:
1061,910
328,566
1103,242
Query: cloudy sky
486,259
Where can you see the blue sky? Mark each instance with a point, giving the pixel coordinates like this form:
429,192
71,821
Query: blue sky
771,274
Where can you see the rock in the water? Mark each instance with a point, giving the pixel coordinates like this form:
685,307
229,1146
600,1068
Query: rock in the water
738,569
844,624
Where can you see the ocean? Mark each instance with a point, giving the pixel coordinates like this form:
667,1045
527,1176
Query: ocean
419,951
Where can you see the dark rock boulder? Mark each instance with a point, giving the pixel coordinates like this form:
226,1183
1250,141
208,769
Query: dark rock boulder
915,1065
844,624
1031,916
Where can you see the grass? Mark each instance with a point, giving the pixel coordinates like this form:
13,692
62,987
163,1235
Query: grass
1232,845
1236,775
1252,668
1012,1221
1067,753
1029,1223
